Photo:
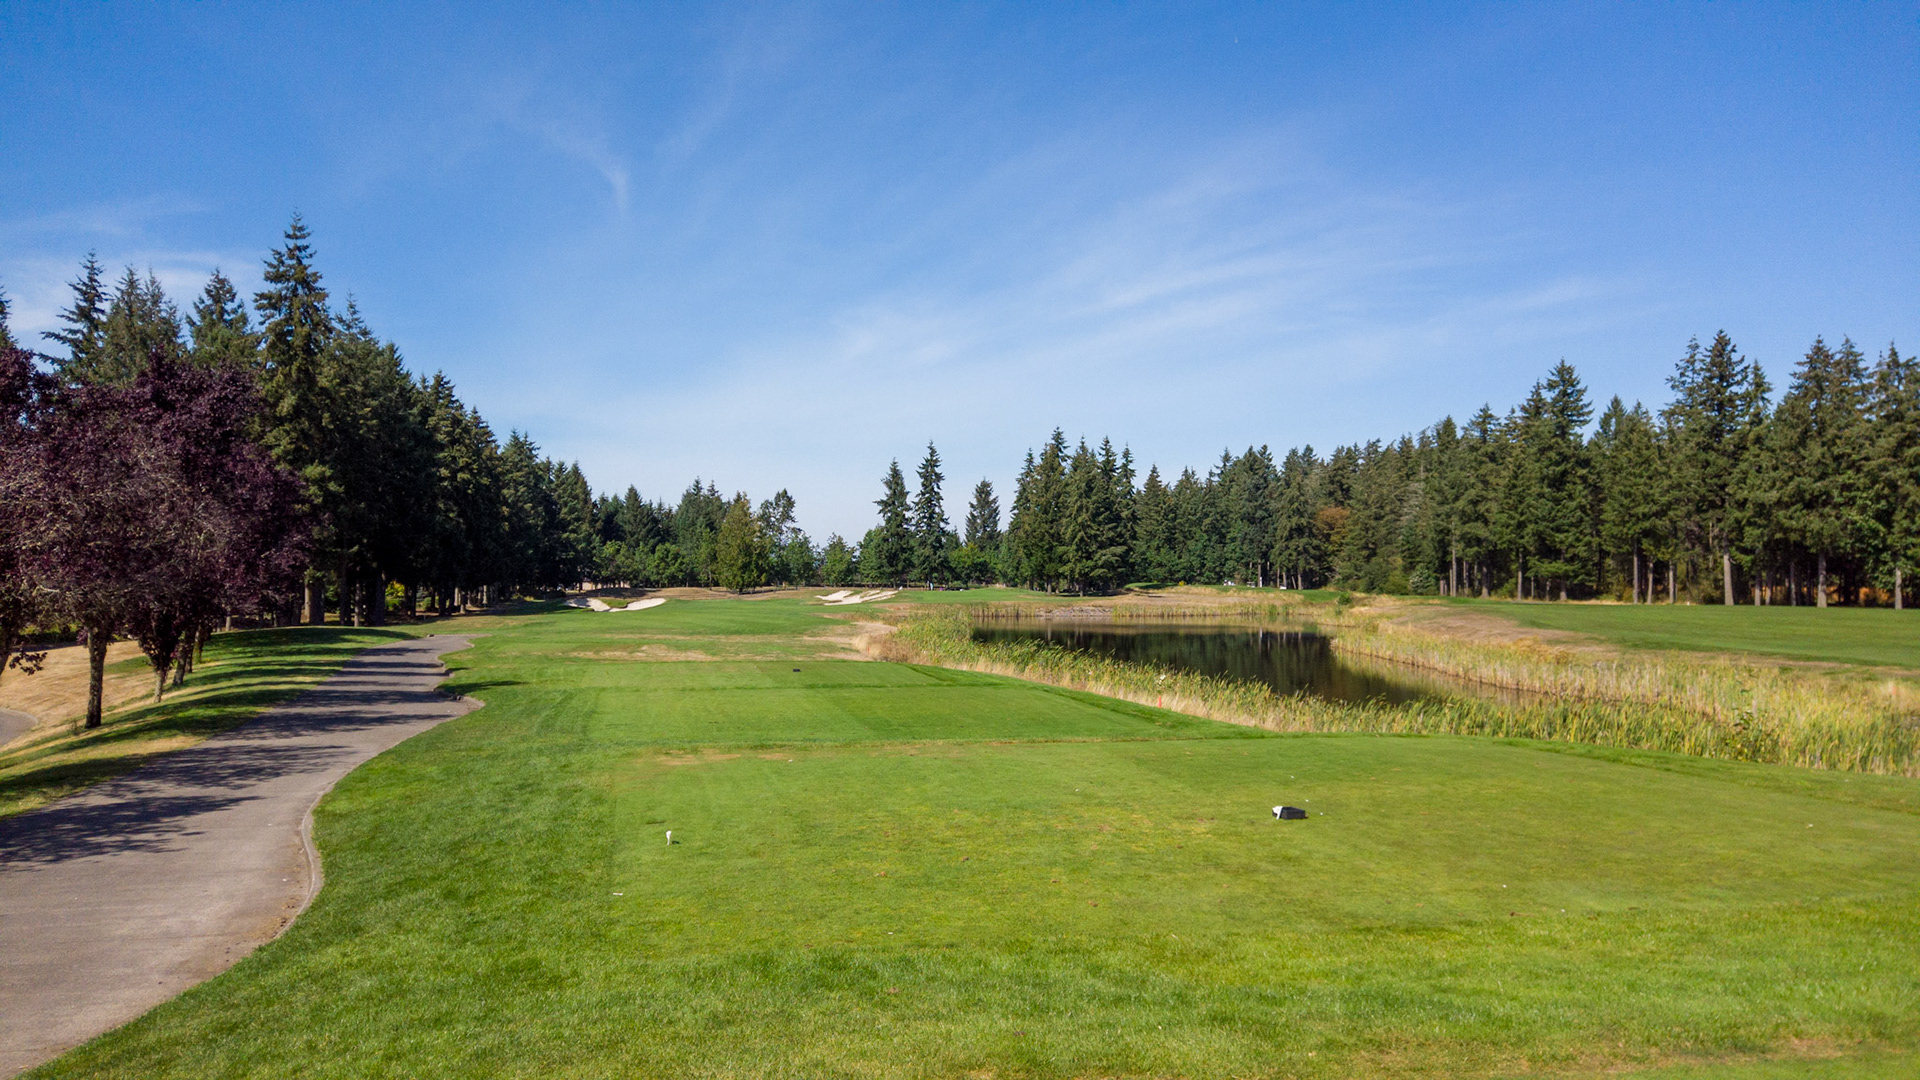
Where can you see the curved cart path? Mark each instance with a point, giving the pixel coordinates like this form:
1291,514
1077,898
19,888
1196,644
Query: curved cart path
120,897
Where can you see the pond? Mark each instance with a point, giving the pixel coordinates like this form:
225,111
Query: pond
1288,661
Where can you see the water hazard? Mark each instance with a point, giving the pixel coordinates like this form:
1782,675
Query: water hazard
1288,661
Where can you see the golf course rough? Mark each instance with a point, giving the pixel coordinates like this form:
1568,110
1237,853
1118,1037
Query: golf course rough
889,870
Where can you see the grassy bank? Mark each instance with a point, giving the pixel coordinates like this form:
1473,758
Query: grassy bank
241,674
884,869
1877,637
1704,706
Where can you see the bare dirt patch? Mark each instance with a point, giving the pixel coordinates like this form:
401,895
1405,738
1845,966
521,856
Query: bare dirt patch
651,654
678,758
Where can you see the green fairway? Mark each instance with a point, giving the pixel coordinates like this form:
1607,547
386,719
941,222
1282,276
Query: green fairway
1876,636
888,870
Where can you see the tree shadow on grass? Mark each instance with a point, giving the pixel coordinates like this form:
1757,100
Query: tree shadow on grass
248,674
147,809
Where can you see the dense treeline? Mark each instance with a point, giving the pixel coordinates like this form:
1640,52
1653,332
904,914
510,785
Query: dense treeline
1722,496
164,473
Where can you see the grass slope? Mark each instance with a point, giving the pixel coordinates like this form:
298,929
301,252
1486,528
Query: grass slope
241,674
886,870
1871,636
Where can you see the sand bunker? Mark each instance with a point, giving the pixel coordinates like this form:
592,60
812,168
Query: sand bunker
849,596
596,604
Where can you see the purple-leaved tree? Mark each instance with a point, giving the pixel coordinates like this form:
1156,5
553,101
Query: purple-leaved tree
159,513
22,601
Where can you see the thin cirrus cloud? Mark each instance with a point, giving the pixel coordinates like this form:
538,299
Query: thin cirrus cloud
1181,320
779,245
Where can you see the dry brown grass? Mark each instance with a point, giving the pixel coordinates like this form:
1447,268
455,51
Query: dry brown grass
58,691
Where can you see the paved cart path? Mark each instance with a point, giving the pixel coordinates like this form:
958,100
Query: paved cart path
14,724
120,897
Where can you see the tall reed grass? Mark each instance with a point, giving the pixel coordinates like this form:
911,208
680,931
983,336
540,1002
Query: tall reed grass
1702,706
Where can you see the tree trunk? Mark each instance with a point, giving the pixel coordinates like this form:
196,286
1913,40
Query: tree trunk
1726,575
1673,592
97,641
1898,581
1520,579
1820,591
377,603
316,600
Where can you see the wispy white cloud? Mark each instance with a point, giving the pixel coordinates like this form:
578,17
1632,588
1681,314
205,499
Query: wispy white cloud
1236,302
115,221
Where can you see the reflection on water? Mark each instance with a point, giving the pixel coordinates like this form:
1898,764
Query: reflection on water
1289,661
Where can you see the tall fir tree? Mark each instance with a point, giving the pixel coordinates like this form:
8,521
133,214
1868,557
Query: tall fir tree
219,330
887,551
1818,453
1894,469
140,322
1714,423
1627,472
983,518
928,520
86,319
296,331
1035,539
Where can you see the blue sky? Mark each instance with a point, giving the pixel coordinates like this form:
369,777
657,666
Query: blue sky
779,245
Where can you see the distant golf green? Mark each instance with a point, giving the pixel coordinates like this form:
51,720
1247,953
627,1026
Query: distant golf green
1875,636
888,870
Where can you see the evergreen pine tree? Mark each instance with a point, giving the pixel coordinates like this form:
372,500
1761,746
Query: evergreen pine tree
1714,422
837,564
140,322
983,518
974,561
1569,516
219,329
1036,532
7,342
297,329
85,332
1628,475
741,550
1297,553
1093,536
1154,540
887,550
1818,453
1895,468
1247,495
928,520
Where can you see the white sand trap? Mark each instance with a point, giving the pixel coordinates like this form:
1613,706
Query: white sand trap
596,604
835,597
862,598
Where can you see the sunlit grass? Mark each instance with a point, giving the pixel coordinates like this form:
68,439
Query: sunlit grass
899,870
